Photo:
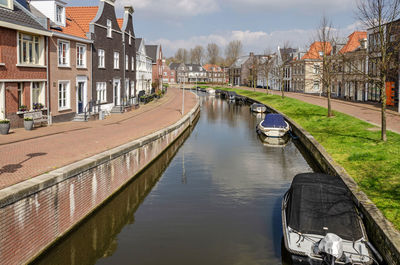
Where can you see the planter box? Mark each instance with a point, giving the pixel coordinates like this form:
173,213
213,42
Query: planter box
4,128
28,125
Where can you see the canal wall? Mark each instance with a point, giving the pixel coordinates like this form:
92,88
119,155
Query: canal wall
34,214
381,232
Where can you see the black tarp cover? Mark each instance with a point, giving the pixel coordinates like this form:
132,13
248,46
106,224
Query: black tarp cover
274,121
318,200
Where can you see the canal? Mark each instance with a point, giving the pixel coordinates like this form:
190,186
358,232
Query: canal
213,197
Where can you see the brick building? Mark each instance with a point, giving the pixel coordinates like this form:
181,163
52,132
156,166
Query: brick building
23,62
169,75
156,55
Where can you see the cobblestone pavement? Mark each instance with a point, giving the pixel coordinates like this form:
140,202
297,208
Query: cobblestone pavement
26,154
364,111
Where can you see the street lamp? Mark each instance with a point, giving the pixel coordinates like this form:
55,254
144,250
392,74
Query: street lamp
183,94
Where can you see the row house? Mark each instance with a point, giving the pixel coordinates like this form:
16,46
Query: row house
215,73
23,62
235,72
306,72
144,67
168,74
113,53
280,76
189,73
349,66
156,55
69,61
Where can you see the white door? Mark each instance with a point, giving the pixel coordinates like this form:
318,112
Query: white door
117,92
2,101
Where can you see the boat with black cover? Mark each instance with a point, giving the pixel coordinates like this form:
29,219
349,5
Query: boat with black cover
257,107
321,224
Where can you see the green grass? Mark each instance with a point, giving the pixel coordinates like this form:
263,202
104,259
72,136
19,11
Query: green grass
352,143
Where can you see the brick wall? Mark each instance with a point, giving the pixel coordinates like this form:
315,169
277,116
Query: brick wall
32,223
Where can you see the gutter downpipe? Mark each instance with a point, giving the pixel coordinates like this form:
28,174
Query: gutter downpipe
49,117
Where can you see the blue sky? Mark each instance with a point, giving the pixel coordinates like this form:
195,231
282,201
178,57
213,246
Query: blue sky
260,24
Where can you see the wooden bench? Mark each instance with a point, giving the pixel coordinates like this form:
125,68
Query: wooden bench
37,117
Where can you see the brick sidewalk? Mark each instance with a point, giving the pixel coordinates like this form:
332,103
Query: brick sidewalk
26,154
368,112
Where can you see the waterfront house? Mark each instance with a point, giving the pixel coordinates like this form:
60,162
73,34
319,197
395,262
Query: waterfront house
23,62
70,62
181,72
189,73
144,67
156,55
215,73
235,72
169,75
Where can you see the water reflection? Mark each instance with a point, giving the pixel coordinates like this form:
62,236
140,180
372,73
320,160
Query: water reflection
218,201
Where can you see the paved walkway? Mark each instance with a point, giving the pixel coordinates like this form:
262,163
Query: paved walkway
26,154
364,111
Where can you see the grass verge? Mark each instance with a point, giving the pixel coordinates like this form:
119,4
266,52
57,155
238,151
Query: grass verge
352,143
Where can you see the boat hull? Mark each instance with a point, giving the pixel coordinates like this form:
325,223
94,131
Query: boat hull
258,109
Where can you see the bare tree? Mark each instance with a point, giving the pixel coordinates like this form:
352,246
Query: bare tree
212,53
233,51
379,17
325,38
179,55
197,54
265,67
280,64
253,70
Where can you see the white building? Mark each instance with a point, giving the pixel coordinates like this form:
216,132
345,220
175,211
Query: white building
144,68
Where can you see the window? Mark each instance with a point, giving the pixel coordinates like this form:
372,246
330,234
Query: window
165,73
116,60
316,85
63,95
101,88
59,14
7,3
130,38
109,28
30,49
20,94
101,58
316,69
80,55
37,93
63,53
126,62
133,63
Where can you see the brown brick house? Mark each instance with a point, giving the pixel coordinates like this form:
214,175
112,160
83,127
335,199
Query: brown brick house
23,62
156,55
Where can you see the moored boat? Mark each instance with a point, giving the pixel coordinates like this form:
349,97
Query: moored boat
211,91
321,224
274,125
231,95
257,107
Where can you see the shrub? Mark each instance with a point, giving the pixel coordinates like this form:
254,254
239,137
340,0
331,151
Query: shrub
38,106
28,119
6,121
23,108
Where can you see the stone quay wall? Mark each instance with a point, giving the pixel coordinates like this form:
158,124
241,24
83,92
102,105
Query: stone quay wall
36,213
383,235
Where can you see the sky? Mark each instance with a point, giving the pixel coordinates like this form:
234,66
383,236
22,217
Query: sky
261,25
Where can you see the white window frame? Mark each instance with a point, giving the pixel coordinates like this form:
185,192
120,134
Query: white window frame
102,58
66,97
116,60
83,59
126,62
41,95
109,28
133,63
67,53
37,56
9,5
130,38
60,17
101,88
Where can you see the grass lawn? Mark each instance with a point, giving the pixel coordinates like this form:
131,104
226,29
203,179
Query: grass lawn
352,143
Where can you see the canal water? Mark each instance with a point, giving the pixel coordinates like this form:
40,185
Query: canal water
214,197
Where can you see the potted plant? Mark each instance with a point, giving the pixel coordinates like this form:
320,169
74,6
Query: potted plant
28,123
4,126
38,106
23,108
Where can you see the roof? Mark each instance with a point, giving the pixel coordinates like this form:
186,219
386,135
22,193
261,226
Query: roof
20,16
239,62
151,51
120,22
78,19
195,67
318,201
212,67
287,54
174,66
138,41
354,41
316,48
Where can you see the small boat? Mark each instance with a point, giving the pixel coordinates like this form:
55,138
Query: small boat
211,91
231,95
274,126
321,224
256,107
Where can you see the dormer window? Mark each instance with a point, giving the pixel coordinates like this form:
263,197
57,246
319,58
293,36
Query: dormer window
109,28
7,3
60,14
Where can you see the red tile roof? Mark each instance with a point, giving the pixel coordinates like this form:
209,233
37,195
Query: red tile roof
316,48
209,66
120,22
78,20
354,41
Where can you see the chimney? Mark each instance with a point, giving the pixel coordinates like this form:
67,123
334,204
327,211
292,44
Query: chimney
129,9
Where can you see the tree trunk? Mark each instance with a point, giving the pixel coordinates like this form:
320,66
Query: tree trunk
329,102
383,99
282,89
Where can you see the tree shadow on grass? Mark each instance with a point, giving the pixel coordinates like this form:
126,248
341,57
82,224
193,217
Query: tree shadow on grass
12,168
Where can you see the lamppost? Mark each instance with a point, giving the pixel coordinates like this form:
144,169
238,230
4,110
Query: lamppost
183,93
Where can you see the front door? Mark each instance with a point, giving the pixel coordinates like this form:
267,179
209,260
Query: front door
80,89
2,102
117,92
